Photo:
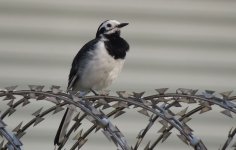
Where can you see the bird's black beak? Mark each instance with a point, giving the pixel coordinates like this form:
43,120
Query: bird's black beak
122,25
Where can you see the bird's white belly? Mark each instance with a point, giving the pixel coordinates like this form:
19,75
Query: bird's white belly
101,70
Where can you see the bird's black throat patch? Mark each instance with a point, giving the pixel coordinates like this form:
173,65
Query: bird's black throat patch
116,46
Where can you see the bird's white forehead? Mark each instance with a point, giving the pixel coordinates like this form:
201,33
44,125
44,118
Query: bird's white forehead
113,21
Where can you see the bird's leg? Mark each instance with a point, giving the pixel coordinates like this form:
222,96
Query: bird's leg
81,94
77,94
94,92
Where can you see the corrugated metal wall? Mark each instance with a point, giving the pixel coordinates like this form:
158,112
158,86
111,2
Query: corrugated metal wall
179,43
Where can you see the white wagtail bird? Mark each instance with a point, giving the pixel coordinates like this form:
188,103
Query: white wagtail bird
95,66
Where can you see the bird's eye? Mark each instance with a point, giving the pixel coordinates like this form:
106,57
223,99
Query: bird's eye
109,25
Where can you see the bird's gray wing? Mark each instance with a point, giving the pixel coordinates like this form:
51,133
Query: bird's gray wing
79,63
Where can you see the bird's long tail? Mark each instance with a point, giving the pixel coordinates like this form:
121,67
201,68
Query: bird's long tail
61,132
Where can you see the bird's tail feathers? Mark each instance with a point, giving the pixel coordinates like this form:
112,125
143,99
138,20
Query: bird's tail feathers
61,132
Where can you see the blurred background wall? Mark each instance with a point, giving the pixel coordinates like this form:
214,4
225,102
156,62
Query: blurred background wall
181,43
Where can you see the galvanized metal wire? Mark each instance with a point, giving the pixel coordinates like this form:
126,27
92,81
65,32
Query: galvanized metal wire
158,108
